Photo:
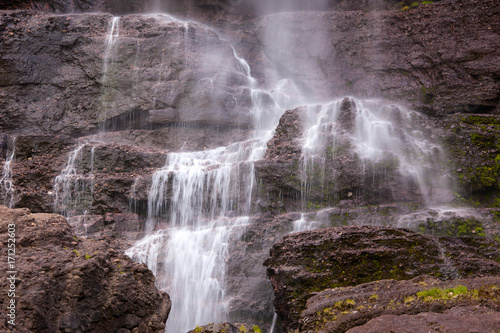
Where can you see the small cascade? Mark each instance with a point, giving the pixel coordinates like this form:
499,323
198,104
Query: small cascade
74,187
110,48
390,136
303,225
447,268
275,319
6,182
319,138
383,143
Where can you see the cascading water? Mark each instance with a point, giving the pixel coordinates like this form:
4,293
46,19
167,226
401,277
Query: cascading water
110,46
378,137
205,198
73,188
6,182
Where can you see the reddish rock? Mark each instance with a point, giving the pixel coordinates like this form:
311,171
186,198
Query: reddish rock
67,284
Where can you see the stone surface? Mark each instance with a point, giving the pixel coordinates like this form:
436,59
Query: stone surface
336,170
310,262
395,306
216,328
193,78
68,284
439,58
459,320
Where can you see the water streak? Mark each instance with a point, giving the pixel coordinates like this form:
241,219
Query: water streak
73,188
110,46
6,182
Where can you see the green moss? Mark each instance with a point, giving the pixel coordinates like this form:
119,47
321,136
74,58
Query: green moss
481,120
256,329
350,303
454,227
440,294
88,256
76,252
427,95
198,329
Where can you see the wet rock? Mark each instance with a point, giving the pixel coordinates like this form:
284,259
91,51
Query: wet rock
458,320
70,284
355,54
309,262
473,153
337,164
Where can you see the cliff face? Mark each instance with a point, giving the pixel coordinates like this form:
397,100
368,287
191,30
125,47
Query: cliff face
439,58
101,101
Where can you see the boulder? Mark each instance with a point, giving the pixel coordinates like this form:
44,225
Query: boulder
67,284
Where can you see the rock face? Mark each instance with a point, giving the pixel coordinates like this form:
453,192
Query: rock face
67,284
439,58
400,305
310,262
456,319
129,93
193,78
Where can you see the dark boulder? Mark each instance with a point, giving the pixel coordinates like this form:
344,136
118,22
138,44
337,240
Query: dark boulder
64,283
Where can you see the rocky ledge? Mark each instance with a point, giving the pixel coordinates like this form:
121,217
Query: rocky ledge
335,279
67,284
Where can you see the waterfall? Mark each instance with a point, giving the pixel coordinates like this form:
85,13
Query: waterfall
6,182
110,48
203,198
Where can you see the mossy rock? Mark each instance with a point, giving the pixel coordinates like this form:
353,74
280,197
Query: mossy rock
306,263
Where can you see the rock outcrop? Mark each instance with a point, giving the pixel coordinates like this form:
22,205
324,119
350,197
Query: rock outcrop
67,284
336,164
308,263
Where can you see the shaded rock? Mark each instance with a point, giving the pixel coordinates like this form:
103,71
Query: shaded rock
68,284
105,173
471,140
309,262
200,78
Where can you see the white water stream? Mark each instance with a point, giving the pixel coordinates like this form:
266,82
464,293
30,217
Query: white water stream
74,187
205,198
6,182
